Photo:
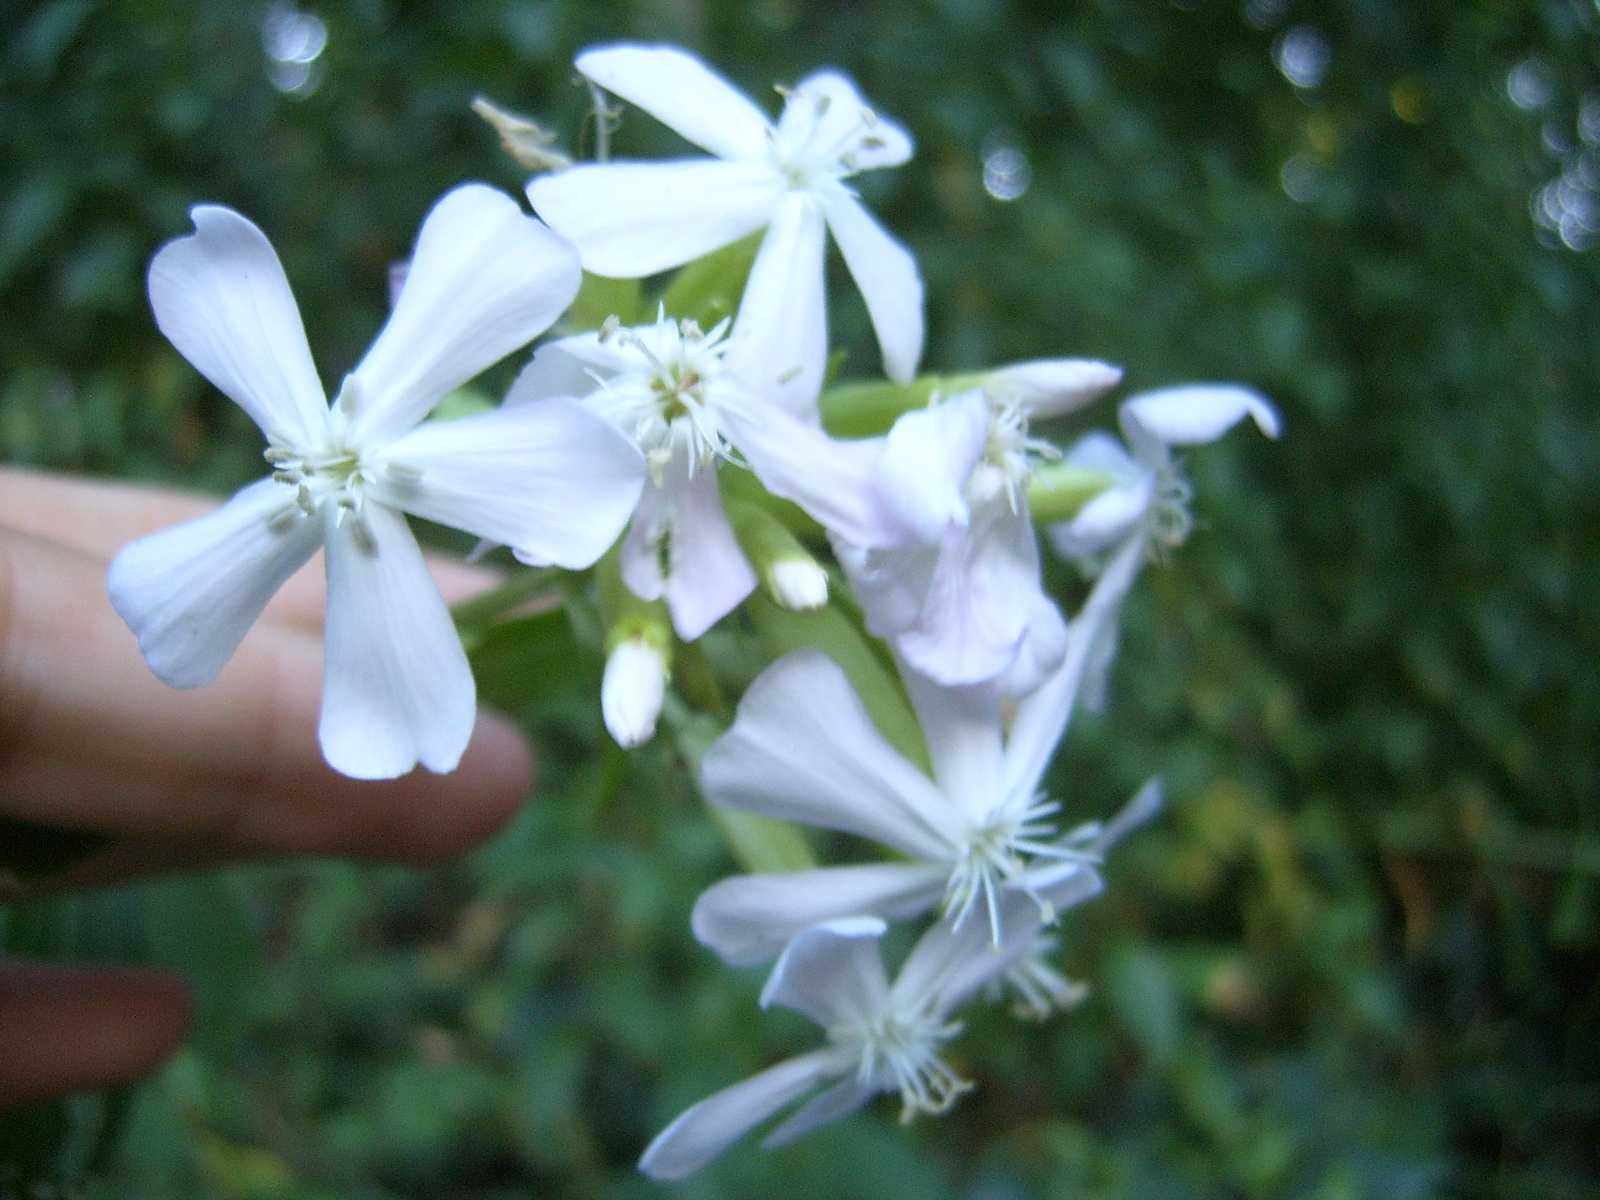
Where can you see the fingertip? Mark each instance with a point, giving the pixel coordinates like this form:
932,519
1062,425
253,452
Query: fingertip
69,1028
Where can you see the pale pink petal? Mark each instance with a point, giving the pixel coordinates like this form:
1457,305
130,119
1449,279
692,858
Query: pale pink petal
1052,387
840,1100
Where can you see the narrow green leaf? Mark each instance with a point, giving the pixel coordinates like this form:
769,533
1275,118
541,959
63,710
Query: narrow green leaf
708,289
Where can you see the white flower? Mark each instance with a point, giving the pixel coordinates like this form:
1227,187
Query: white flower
670,387
882,1037
802,748
1148,502
961,597
484,280
633,219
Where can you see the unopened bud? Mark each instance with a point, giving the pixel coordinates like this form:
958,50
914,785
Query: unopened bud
798,584
785,568
631,691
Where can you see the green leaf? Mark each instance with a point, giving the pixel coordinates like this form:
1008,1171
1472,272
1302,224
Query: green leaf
708,289
519,663
600,298
830,631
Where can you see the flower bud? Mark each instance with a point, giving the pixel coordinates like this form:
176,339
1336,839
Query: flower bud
785,568
631,691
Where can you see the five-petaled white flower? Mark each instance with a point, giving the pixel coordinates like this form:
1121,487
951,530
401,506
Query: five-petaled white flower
632,219
802,748
882,1036
1147,503
552,480
671,388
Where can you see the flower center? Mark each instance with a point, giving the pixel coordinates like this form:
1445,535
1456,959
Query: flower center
808,148
998,853
1170,519
334,475
1009,454
899,1052
667,403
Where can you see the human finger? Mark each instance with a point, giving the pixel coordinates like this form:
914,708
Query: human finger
89,739
99,517
67,1028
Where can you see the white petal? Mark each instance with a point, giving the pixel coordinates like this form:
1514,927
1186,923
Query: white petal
962,729
840,1100
1099,451
1105,520
825,110
190,593
1042,718
1052,387
684,94
552,479
749,918
1140,810
779,344
221,298
802,748
887,275
396,686
641,558
833,480
707,574
1043,646
485,279
980,601
558,369
951,961
708,1128
631,219
928,456
1196,413
891,584
832,973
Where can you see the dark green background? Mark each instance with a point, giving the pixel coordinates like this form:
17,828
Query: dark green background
1358,955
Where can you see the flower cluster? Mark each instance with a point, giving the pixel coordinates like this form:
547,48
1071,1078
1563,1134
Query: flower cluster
690,458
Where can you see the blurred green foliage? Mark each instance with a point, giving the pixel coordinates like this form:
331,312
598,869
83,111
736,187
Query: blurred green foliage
1357,957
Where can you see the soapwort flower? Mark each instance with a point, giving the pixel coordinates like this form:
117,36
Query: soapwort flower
960,596
631,219
672,389
1147,503
552,480
802,748
882,1036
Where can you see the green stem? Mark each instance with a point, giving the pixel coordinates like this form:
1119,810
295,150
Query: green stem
499,600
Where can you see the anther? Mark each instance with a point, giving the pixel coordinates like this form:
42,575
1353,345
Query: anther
302,497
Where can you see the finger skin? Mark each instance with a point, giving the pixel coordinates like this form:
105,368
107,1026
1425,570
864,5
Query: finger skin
90,739
64,1028
100,518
